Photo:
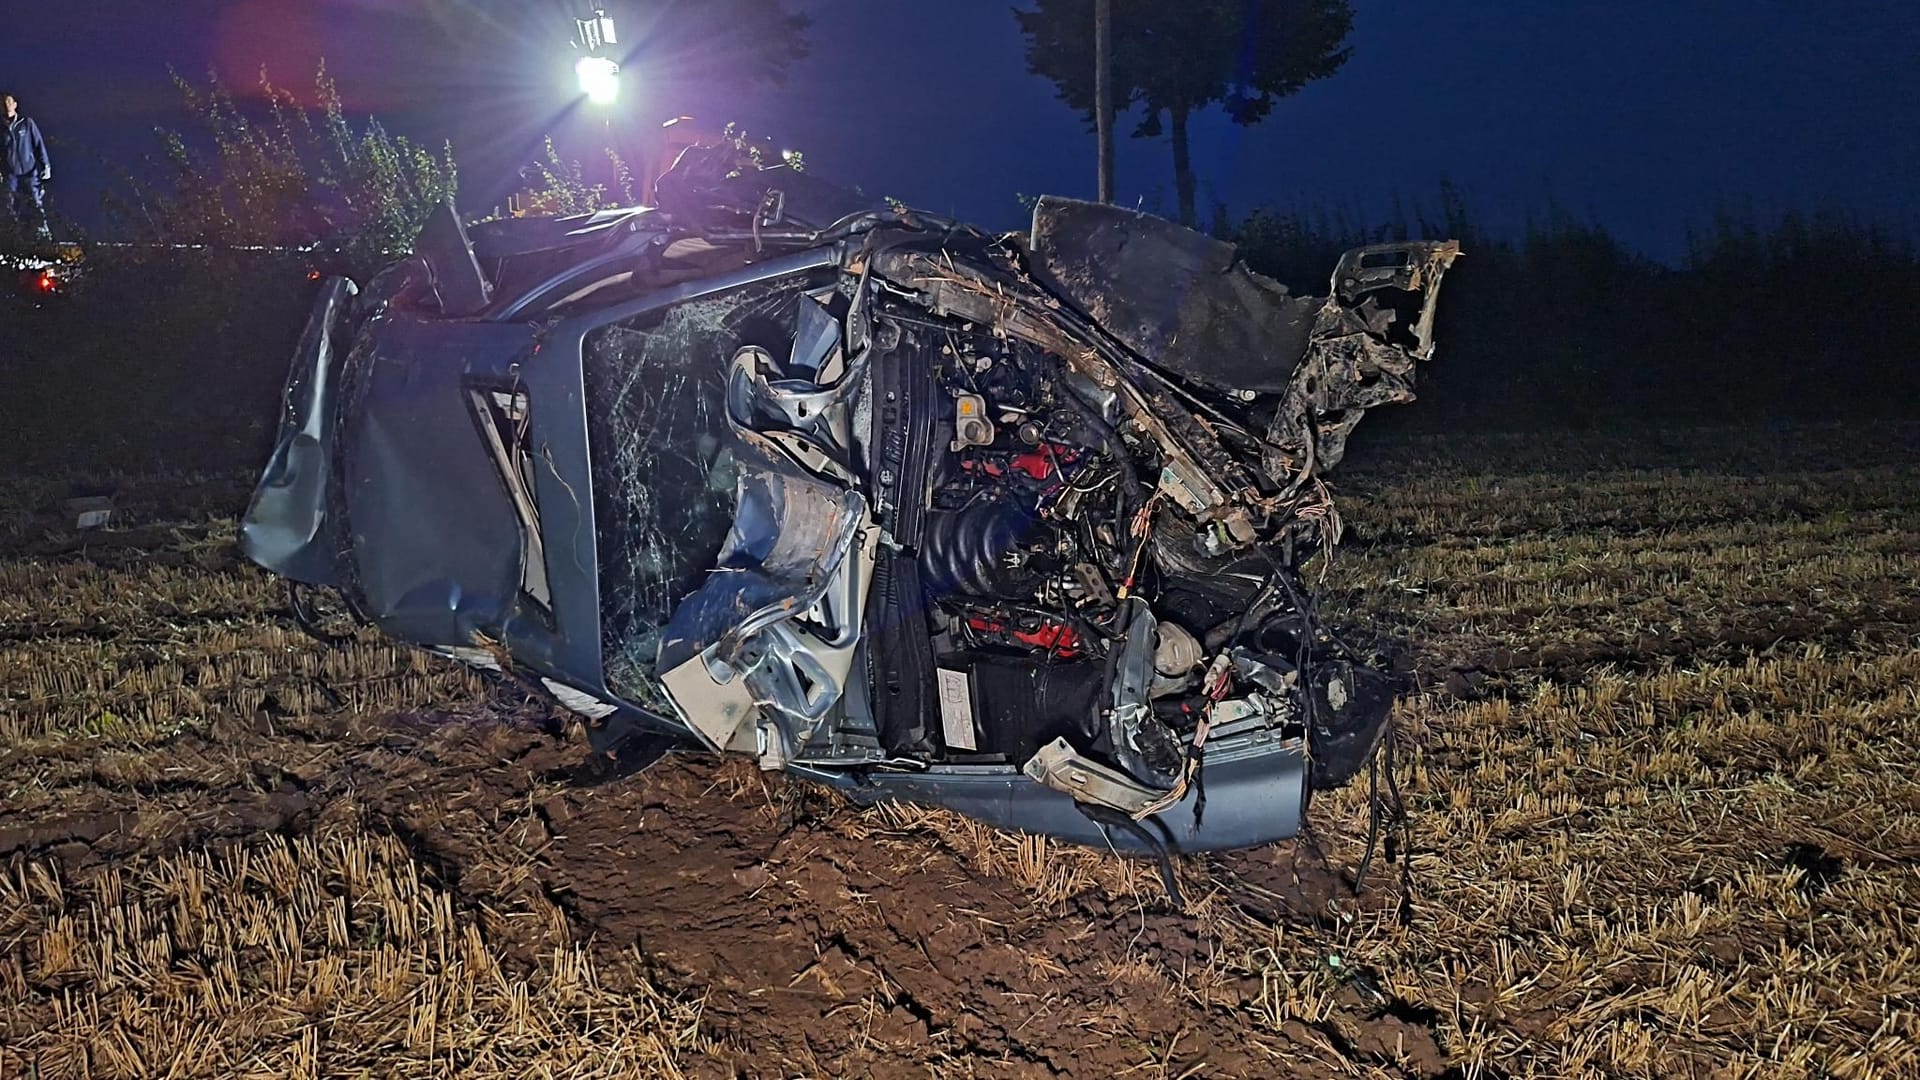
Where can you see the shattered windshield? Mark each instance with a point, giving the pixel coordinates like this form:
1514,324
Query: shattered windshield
664,465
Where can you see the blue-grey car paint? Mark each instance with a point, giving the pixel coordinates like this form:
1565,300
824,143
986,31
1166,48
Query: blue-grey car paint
287,526
435,540
624,249
1253,795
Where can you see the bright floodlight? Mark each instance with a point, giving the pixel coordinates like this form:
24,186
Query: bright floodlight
599,79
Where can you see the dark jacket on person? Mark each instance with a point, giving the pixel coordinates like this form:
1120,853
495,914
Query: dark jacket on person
22,151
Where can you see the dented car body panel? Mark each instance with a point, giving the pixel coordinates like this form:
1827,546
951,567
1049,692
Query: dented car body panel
1007,524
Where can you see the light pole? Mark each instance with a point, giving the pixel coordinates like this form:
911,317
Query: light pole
1103,91
599,72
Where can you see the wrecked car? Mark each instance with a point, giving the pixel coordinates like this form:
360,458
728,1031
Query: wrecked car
1008,524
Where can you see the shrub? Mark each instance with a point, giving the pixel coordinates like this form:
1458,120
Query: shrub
273,173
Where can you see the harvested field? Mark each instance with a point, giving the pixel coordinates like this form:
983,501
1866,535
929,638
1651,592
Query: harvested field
1658,756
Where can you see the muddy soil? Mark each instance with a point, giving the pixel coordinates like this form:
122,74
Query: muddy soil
822,938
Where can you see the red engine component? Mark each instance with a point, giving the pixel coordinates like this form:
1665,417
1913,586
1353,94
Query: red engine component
1034,463
1040,463
1056,639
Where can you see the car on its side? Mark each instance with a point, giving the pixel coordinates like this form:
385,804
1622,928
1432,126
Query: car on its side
1010,524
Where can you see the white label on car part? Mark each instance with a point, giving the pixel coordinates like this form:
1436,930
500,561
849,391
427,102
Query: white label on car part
956,710
472,657
580,701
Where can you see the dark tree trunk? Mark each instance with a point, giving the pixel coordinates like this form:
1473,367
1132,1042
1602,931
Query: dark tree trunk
1103,91
1183,167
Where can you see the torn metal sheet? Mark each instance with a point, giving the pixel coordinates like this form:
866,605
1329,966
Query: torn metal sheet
288,528
1008,524
1178,298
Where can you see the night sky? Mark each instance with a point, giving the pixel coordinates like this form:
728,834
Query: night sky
1646,116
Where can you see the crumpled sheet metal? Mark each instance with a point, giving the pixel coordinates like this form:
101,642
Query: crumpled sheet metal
435,538
1353,363
1344,374
287,528
1179,298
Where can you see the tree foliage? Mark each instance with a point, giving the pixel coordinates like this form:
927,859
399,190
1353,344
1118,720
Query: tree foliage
1174,58
559,187
273,173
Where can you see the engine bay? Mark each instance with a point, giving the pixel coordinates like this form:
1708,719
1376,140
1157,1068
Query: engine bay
1109,555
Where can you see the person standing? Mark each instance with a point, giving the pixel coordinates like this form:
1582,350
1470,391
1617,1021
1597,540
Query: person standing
25,165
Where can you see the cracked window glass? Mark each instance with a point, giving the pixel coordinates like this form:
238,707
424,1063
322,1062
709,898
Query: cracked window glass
664,463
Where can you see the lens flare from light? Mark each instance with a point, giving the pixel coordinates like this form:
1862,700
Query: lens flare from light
599,79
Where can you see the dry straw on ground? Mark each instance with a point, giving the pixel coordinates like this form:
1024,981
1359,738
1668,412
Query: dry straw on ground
1660,757
317,956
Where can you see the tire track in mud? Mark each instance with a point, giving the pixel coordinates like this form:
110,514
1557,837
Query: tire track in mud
873,954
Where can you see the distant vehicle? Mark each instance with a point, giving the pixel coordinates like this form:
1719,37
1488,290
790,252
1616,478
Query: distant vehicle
1009,524
44,271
